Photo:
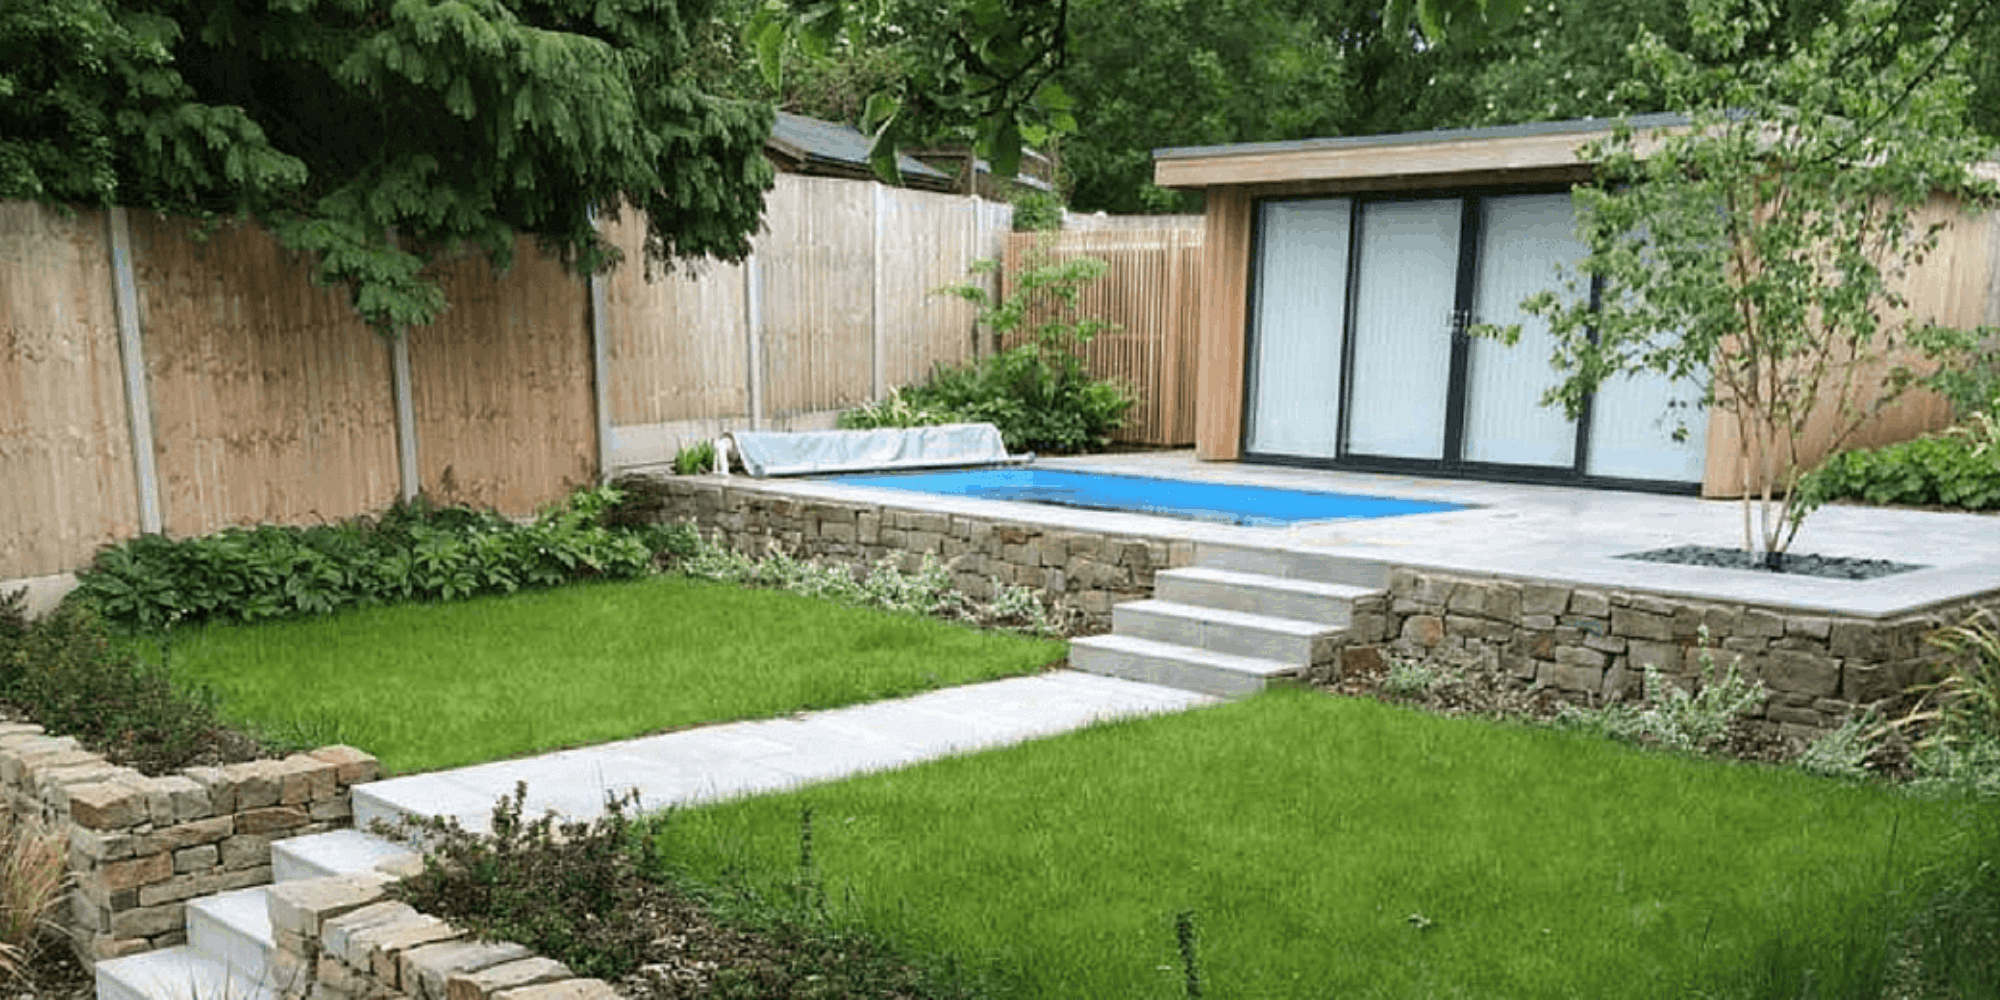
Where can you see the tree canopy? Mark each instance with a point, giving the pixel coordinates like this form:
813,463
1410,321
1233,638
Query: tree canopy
377,135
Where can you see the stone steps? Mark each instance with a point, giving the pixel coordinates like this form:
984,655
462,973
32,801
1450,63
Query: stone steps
229,939
1235,621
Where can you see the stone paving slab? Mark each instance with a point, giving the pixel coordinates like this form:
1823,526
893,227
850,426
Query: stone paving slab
1564,534
712,763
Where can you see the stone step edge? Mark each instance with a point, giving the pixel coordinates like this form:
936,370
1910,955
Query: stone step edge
176,973
1253,666
1291,584
1223,616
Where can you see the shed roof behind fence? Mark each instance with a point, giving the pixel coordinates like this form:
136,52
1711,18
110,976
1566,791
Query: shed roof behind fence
804,145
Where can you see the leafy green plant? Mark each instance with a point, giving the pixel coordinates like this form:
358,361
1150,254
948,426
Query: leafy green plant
1039,392
927,591
1406,678
1673,716
1037,211
1844,752
695,458
1959,467
414,551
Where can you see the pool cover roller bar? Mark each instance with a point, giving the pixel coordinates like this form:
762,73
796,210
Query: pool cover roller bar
800,453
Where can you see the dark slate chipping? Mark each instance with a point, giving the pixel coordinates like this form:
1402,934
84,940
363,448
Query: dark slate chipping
1825,567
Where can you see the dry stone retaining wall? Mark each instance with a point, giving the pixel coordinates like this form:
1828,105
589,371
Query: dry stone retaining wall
1596,642
342,938
1079,572
140,847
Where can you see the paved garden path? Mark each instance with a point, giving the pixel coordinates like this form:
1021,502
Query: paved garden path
743,758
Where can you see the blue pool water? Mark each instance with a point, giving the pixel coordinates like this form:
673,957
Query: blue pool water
1256,506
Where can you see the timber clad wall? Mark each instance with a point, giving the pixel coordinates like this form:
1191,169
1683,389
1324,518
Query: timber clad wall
269,401
1153,292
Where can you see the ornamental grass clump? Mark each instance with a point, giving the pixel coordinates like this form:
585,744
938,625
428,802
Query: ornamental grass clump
33,878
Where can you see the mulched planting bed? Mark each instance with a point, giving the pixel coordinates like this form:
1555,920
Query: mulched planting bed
1824,567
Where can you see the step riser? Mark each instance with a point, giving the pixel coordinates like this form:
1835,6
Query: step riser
246,955
1221,637
1332,612
1163,671
1295,565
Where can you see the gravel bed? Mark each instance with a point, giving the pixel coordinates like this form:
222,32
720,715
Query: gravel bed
1824,567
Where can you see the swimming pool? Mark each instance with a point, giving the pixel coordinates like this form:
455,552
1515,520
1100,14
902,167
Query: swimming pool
1254,506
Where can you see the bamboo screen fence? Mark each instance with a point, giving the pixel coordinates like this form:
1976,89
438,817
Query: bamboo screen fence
1152,291
265,400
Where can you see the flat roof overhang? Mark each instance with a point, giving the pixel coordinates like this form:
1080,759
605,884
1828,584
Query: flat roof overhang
1540,151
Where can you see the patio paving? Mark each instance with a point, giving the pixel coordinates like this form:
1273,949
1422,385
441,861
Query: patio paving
1561,534
712,763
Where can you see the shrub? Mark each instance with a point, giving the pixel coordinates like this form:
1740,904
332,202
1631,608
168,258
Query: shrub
413,551
1673,717
928,591
557,886
1959,467
1038,393
695,458
1844,752
1037,211
65,671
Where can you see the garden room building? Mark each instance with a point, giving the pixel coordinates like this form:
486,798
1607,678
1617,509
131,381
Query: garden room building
1343,274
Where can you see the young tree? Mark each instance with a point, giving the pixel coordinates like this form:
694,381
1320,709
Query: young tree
1759,251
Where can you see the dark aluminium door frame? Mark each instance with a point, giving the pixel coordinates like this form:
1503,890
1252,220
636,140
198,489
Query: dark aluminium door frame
1452,465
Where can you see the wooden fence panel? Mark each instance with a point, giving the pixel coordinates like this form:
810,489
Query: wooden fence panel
270,398
928,241
678,350
1152,291
676,343
501,385
816,264
66,479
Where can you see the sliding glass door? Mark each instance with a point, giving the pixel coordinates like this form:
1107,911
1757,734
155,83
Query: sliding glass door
1405,296
1297,305
1522,241
1359,353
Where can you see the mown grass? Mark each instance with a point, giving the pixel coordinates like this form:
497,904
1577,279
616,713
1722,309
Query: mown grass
442,685
1341,848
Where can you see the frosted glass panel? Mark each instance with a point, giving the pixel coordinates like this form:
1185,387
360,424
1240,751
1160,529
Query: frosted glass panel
1301,301
1632,421
1521,240
1402,328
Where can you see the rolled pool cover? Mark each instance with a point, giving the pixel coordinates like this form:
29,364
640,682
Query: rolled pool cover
804,453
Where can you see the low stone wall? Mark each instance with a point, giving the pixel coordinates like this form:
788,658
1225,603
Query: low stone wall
1078,572
140,847
342,938
1595,643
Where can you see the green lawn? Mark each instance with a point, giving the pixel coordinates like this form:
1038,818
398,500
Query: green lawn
441,685
1342,848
